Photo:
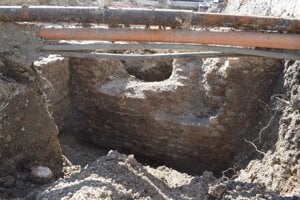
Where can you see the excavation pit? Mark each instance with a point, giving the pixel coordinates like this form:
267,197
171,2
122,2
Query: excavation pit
193,117
189,114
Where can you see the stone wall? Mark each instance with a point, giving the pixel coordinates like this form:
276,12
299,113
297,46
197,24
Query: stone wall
195,120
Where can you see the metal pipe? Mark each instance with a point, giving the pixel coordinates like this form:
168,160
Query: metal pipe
264,40
144,57
138,16
115,46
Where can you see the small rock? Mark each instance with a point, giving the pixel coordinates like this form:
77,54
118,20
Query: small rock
41,174
213,120
7,181
217,191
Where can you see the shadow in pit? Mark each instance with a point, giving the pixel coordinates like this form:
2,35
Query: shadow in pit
77,150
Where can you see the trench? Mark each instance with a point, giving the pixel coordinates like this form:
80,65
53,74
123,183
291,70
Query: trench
189,114
182,113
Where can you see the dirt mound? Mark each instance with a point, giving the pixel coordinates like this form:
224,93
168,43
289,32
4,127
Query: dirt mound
117,176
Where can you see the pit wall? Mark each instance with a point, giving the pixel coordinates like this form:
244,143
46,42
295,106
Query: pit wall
28,134
54,70
279,168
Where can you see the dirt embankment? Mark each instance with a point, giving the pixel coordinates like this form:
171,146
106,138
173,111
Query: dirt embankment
27,130
28,135
279,169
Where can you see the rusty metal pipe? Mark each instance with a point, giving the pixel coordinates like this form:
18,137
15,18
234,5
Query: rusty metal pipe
137,16
250,39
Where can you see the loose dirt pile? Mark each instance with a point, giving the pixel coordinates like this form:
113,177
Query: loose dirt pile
117,176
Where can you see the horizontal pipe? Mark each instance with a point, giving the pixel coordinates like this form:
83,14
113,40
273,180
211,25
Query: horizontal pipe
250,39
183,4
144,57
141,16
188,5
166,46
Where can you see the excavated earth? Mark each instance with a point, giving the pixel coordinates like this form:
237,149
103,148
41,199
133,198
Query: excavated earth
221,128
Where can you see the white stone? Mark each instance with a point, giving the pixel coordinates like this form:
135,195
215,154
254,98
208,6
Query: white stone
41,172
